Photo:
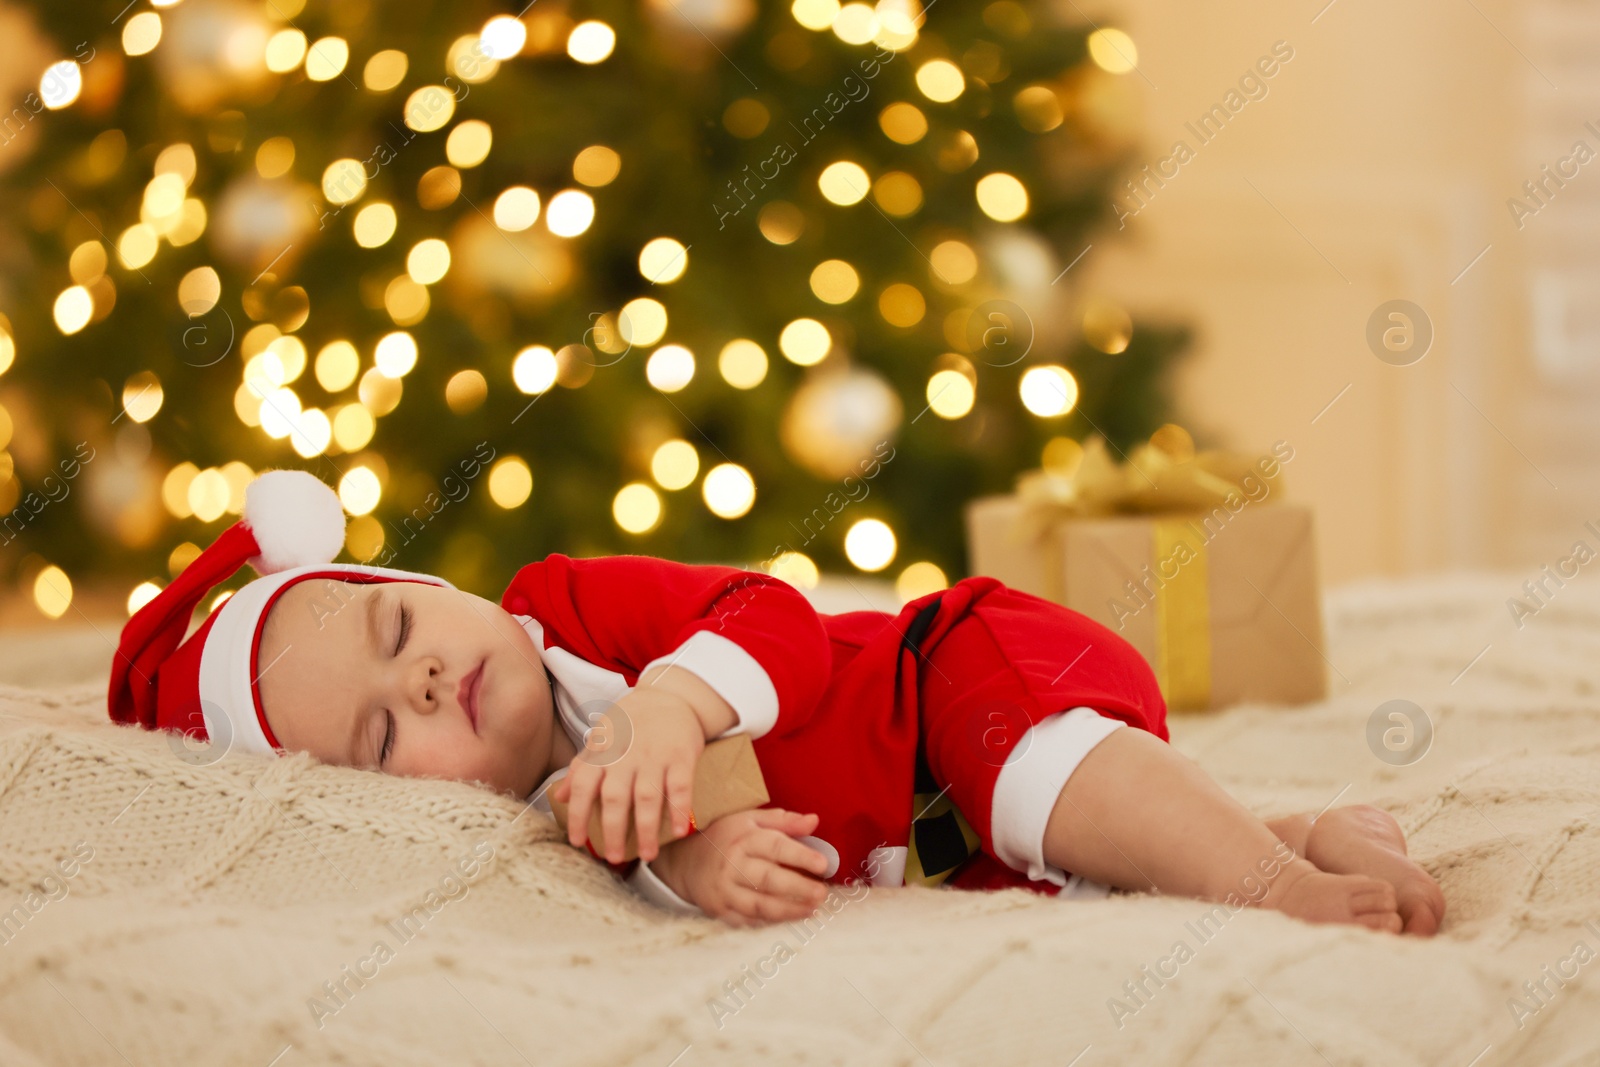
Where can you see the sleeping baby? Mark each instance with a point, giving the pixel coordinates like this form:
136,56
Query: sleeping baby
599,682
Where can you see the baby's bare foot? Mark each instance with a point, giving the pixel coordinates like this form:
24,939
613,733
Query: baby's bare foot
1360,839
1319,897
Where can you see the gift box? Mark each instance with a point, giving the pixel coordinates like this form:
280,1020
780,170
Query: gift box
1194,559
727,778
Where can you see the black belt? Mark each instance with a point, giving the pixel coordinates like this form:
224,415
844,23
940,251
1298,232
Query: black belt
941,847
912,642
912,639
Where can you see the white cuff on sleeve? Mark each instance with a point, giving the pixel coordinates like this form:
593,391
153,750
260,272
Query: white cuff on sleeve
1029,784
649,885
736,676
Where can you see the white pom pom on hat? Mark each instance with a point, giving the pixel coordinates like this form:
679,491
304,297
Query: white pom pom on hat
296,518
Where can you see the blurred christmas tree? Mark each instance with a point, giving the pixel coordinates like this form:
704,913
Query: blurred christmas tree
695,279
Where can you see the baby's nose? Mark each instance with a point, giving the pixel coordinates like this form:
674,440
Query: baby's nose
432,691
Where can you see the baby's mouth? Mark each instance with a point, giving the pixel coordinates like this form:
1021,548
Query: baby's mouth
471,685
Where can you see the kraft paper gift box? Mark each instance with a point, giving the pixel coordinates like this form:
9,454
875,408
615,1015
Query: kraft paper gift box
1221,600
727,779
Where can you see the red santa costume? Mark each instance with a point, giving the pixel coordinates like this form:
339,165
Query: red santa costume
981,692
994,693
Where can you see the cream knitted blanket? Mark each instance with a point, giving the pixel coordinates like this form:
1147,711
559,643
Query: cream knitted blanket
159,910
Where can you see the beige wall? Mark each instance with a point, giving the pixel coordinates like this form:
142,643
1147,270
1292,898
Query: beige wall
1378,167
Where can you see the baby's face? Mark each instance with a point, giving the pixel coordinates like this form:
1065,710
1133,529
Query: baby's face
370,675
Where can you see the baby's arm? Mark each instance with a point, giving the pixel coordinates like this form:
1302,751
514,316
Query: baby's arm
716,715
752,637
745,868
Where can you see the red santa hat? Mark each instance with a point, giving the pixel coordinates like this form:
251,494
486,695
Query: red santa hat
207,686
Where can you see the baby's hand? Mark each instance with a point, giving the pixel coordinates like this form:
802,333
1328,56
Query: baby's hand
746,868
643,758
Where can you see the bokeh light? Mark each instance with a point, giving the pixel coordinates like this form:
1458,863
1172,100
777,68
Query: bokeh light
636,508
510,482
1002,197
466,391
743,363
385,70
142,32
834,281
920,579
141,396
469,143
796,568
429,108
534,369
428,261
591,42
675,464
137,246
208,495
141,595
570,213
902,305
953,262
903,123
503,36
870,544
844,183
516,209
805,341
395,354
898,193
815,15
52,591
663,260
285,50
326,58
374,225
728,490
781,222
643,321
73,308
1048,390
344,181
950,394
940,80
359,490
353,427
1113,50
670,368
856,23
596,165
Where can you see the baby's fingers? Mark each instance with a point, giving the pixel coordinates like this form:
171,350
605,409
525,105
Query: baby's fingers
616,804
784,821
796,887
647,797
756,871
584,784
680,795
765,907
782,848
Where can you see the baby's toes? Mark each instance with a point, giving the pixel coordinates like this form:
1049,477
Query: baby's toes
1383,921
1422,911
1375,904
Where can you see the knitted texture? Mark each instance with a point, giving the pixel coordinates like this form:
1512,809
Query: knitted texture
278,912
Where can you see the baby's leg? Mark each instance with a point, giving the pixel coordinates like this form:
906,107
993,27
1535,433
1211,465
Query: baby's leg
1137,814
